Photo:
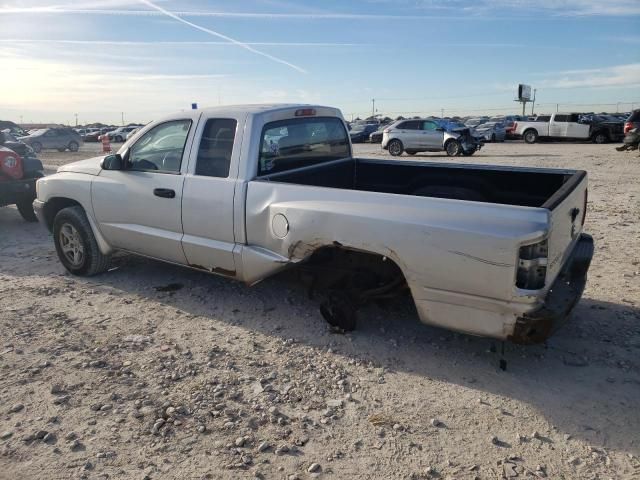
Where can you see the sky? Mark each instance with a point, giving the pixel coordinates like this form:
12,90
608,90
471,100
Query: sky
109,60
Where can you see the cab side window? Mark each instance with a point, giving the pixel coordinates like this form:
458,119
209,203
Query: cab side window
561,118
216,147
161,148
429,126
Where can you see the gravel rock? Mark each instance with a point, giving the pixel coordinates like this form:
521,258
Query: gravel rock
16,408
314,467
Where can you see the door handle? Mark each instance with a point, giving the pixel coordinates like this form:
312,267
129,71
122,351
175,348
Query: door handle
164,192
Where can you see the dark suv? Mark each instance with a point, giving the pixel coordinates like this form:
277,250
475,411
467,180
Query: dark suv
18,176
632,122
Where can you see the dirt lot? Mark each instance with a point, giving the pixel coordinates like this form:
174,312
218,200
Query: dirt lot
153,371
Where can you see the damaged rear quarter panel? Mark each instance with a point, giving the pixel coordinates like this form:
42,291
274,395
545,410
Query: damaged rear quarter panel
440,244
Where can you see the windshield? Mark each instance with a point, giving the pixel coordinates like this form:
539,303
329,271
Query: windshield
299,142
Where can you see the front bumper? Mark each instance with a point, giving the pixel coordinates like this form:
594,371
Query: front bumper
16,190
565,293
38,208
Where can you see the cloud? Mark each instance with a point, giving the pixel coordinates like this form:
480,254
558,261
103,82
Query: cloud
615,76
14,41
222,36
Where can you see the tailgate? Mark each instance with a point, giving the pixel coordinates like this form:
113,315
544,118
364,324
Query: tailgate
568,209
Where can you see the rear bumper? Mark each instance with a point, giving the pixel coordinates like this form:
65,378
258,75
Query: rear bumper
16,190
566,291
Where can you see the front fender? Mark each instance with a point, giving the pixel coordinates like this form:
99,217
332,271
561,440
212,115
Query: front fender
62,190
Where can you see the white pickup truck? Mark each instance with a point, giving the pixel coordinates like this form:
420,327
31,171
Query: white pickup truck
248,191
569,126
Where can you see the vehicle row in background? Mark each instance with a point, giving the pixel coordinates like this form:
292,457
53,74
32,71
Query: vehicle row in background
59,139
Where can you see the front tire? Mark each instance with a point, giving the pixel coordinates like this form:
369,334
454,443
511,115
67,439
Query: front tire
600,138
395,148
119,139
25,207
75,243
37,147
530,136
73,146
453,148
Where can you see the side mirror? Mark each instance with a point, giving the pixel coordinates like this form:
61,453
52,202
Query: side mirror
113,162
439,129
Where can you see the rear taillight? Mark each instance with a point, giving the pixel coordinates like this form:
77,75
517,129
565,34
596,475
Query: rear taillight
584,206
11,165
532,266
628,126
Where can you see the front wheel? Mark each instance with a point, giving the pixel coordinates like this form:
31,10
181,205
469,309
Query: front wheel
395,148
119,139
75,243
73,146
493,137
530,136
25,207
37,147
453,148
600,137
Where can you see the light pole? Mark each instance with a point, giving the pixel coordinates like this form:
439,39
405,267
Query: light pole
122,117
373,107
76,119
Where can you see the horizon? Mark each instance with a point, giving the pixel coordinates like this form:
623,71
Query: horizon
140,59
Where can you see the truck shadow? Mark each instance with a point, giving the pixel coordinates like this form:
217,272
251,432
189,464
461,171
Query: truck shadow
588,369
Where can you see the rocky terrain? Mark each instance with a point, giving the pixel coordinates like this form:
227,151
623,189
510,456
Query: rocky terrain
151,371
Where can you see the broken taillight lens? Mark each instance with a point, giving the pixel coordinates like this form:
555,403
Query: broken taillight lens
532,266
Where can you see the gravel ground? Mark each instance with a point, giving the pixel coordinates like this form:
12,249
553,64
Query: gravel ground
153,371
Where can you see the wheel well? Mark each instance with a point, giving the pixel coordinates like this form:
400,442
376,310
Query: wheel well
363,274
53,206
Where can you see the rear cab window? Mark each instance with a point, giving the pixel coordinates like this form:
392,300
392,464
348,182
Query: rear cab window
301,142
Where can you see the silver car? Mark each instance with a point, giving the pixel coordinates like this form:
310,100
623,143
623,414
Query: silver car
59,138
426,135
491,132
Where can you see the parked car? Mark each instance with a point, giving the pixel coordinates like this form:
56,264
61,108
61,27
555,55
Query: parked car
474,122
120,134
12,143
60,139
360,132
477,255
376,137
133,132
509,122
413,136
491,132
92,136
18,181
15,129
564,126
633,121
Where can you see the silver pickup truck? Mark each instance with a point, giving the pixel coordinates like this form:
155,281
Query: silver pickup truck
248,191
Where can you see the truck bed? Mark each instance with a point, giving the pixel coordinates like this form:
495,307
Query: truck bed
529,187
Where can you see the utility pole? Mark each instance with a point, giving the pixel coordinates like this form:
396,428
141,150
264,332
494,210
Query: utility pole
533,104
373,107
618,107
442,113
76,119
557,107
21,119
122,117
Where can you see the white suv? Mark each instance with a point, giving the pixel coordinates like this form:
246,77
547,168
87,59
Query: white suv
425,135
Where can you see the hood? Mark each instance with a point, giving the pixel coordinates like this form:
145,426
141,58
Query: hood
90,166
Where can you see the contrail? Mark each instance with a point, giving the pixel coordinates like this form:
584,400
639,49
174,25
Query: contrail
224,37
